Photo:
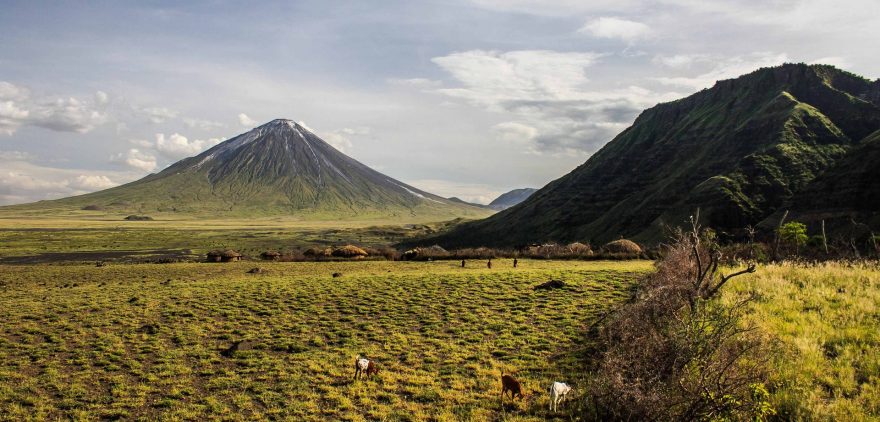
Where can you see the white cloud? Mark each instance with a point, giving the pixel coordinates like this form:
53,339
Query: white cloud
616,28
158,115
18,108
555,105
680,61
16,156
246,121
491,76
136,159
177,146
66,115
21,181
91,183
101,98
341,138
513,131
726,68
202,124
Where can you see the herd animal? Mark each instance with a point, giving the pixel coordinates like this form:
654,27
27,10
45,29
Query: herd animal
559,391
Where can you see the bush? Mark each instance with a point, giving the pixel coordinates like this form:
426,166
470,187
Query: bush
673,353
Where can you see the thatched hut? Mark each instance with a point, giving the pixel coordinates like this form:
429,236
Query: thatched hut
432,252
228,255
270,256
622,246
579,248
349,251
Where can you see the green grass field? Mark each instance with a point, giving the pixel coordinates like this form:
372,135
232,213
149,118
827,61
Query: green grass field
144,341
47,240
827,320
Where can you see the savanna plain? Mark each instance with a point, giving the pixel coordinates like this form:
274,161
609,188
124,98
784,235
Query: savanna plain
148,341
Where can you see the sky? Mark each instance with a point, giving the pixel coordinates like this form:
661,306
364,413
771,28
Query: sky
466,98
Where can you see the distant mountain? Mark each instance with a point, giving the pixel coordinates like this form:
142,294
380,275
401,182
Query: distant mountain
739,151
279,168
509,199
462,201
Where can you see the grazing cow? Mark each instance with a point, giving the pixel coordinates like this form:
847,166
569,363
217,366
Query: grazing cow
558,393
365,366
511,385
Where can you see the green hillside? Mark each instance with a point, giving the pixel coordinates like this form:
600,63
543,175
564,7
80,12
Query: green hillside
738,151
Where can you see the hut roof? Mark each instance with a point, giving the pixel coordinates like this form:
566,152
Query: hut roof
622,246
229,253
271,253
349,251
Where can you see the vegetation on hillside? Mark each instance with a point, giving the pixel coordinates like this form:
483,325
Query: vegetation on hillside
739,151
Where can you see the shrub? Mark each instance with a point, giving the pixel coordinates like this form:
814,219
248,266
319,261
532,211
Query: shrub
673,353
794,234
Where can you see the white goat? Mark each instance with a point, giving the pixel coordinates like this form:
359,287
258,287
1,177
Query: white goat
558,391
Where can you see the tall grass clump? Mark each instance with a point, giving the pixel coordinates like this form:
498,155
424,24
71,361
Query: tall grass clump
674,352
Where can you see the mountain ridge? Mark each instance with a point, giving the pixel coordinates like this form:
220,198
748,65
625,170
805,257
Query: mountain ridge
511,198
738,151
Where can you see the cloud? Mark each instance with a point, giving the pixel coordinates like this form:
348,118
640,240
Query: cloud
177,146
136,159
513,131
91,183
341,138
24,182
101,98
422,83
555,105
616,28
202,124
158,115
18,108
16,156
246,121
725,68
492,76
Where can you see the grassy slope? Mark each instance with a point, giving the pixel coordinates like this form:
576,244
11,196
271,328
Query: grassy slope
827,319
71,345
737,151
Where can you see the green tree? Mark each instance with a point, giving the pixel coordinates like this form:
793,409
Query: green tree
793,233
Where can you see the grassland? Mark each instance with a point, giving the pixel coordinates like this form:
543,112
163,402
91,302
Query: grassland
98,236
826,319
144,341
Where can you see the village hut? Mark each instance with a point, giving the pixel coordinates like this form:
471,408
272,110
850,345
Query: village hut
579,248
270,256
228,255
215,256
349,251
622,246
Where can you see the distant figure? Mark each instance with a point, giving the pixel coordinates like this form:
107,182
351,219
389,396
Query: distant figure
462,263
515,262
489,264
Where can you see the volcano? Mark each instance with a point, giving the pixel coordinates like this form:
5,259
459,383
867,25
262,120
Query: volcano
278,169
